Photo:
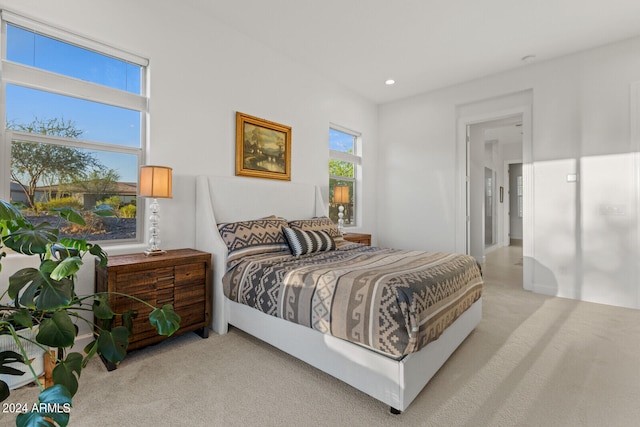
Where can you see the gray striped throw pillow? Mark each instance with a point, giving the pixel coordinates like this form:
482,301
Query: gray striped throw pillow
306,242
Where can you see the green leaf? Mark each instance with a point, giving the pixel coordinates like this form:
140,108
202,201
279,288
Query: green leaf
4,391
20,279
7,357
23,317
96,250
71,215
30,240
57,331
90,350
112,345
101,308
67,267
71,243
32,419
43,292
8,212
127,320
55,294
165,320
68,371
54,402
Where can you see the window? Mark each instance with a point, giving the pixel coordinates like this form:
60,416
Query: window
75,116
344,171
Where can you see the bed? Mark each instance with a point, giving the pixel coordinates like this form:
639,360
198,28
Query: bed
393,376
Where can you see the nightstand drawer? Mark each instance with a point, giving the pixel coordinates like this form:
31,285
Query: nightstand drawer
190,273
146,279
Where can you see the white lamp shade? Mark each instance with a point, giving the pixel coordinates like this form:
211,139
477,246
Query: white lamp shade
155,181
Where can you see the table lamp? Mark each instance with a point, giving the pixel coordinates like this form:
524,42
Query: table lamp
340,197
155,182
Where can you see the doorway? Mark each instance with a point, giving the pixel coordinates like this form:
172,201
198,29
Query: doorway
471,149
493,143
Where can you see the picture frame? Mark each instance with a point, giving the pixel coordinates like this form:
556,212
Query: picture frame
263,148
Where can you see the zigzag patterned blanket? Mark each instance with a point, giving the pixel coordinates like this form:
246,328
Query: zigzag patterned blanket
392,301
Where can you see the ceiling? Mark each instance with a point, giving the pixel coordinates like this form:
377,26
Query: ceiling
424,44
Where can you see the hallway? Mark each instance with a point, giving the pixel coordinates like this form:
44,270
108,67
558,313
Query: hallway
503,267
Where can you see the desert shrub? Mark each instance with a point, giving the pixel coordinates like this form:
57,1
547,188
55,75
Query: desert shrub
128,211
62,202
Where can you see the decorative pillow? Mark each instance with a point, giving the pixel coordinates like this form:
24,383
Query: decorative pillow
321,223
253,237
306,242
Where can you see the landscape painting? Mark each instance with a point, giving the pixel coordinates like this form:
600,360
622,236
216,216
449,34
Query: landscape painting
263,148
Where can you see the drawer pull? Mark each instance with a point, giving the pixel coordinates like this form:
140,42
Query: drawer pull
159,279
164,301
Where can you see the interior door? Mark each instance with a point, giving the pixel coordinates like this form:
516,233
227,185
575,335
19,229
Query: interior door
516,197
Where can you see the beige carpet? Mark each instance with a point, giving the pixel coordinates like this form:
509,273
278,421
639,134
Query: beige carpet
532,361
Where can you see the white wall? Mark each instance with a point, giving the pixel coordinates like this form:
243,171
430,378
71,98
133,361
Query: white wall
585,234
201,73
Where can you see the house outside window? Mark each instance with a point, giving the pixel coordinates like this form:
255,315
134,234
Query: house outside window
75,114
344,171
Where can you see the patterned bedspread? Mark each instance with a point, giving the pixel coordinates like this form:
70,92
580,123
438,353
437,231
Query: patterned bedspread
391,301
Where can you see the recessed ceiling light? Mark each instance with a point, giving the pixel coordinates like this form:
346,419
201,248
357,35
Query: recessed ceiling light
389,82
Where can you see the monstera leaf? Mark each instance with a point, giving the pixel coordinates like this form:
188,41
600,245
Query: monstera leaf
57,331
101,308
66,268
42,291
165,320
7,357
9,216
68,371
30,239
54,403
112,345
71,215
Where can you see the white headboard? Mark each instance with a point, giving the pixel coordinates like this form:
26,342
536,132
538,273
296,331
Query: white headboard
230,199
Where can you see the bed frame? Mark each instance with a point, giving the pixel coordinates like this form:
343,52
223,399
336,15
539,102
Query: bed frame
394,382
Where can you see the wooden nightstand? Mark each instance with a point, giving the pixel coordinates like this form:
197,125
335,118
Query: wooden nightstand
365,239
180,277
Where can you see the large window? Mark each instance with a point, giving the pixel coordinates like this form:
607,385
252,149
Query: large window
344,170
75,116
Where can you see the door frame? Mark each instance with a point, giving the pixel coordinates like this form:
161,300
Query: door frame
462,185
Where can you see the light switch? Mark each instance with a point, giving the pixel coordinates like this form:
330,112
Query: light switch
572,177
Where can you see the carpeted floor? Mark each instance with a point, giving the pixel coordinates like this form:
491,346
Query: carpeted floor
532,361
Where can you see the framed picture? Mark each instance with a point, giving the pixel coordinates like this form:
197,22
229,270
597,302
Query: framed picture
263,148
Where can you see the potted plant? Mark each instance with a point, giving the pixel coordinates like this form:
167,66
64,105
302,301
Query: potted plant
44,297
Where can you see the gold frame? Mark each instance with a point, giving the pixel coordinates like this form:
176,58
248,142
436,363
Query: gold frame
273,165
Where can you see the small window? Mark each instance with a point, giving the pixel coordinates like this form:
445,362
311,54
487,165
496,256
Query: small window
344,170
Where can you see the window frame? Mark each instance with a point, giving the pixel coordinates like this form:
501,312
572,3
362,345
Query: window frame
12,73
356,159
